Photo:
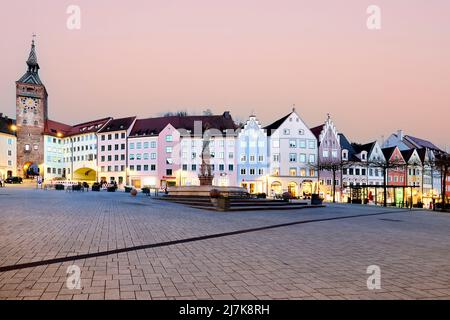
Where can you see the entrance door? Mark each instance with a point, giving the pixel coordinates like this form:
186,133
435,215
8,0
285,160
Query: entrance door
252,188
293,189
136,183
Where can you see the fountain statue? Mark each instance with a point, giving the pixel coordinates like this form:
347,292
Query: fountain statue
206,177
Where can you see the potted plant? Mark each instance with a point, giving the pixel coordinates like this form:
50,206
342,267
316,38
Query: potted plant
96,187
316,199
146,190
287,196
59,187
128,189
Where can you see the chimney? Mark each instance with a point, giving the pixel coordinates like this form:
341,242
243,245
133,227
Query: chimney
1,115
400,135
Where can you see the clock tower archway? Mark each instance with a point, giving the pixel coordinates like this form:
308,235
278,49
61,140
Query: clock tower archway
31,116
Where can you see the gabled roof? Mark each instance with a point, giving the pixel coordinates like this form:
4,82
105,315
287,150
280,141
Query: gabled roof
317,130
407,154
422,154
363,147
153,126
388,152
274,126
345,144
118,125
421,143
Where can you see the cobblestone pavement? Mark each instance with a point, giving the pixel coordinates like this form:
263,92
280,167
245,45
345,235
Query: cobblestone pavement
314,260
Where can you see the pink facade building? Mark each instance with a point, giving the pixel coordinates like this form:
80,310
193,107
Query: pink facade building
329,160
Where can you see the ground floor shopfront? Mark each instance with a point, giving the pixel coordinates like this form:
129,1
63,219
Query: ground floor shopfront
298,187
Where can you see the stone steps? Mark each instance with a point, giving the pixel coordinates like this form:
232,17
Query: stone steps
239,204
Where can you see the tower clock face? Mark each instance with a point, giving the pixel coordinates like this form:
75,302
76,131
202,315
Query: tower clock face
29,104
29,109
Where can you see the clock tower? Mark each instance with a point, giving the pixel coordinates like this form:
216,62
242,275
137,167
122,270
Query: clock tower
31,117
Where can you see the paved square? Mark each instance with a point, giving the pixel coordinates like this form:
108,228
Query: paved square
314,260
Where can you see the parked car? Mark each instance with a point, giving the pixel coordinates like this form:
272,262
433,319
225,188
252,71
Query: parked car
13,180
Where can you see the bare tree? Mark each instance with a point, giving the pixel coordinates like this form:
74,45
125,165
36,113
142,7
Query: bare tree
334,167
176,114
207,112
385,166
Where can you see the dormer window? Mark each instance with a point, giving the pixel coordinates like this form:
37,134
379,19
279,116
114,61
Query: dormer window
344,155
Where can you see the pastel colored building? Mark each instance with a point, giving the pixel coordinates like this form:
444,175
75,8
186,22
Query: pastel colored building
428,193
329,158
169,164
220,130
171,148
71,151
8,148
112,150
407,142
413,171
252,156
396,175
143,153
354,172
293,157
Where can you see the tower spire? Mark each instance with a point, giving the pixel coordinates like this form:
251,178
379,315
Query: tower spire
32,74
32,62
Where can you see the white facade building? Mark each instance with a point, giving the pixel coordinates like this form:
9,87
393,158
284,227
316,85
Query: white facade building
293,156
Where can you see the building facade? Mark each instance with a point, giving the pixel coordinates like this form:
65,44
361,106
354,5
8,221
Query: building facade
252,153
112,151
329,160
293,157
8,148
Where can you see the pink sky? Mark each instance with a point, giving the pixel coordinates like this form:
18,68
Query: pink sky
142,57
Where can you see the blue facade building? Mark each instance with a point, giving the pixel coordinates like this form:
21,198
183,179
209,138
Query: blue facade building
252,157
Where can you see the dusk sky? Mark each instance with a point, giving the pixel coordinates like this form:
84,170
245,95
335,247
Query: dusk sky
145,57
